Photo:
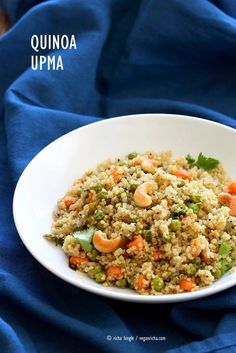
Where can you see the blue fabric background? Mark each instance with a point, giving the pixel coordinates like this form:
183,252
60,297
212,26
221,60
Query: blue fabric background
134,56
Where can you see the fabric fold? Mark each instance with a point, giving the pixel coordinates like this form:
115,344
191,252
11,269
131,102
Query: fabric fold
132,57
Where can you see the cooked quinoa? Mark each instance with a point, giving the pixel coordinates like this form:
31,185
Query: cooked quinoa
172,236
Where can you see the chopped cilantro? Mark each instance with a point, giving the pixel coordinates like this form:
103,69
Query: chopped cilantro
57,241
85,237
190,159
176,214
203,162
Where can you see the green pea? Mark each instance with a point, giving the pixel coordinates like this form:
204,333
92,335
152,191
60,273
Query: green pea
98,188
166,238
133,187
231,225
122,283
225,249
197,261
93,206
157,284
217,273
130,281
93,254
102,195
162,262
195,198
132,155
190,270
194,207
123,163
100,277
175,225
129,220
101,225
180,183
147,234
99,215
93,272
224,266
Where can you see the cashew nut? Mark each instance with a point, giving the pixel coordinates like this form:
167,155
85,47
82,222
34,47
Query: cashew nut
149,165
230,201
105,245
141,198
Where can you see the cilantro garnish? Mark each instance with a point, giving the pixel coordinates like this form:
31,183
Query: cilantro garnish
190,159
203,162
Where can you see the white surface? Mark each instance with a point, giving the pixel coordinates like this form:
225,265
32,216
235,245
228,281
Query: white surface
50,174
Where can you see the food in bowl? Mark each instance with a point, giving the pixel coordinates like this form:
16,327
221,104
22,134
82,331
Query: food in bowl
152,222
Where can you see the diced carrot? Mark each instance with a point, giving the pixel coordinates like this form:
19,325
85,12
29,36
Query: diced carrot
229,201
225,198
196,248
183,174
117,176
187,284
157,254
75,260
141,282
137,243
136,163
232,188
91,195
232,206
78,181
69,202
205,258
114,272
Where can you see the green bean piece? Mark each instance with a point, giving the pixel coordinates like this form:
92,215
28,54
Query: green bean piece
157,284
225,249
225,266
217,273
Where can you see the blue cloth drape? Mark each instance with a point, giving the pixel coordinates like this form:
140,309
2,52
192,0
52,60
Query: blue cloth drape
136,56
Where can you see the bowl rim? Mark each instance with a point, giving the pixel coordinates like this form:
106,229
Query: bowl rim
102,291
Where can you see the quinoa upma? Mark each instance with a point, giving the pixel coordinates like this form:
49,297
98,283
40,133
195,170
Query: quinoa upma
151,222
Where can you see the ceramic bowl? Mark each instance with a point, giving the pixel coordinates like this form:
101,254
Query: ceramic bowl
51,173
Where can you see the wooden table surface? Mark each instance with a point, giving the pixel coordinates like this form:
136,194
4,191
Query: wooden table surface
4,22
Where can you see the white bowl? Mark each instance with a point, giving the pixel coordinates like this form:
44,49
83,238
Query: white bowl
50,174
